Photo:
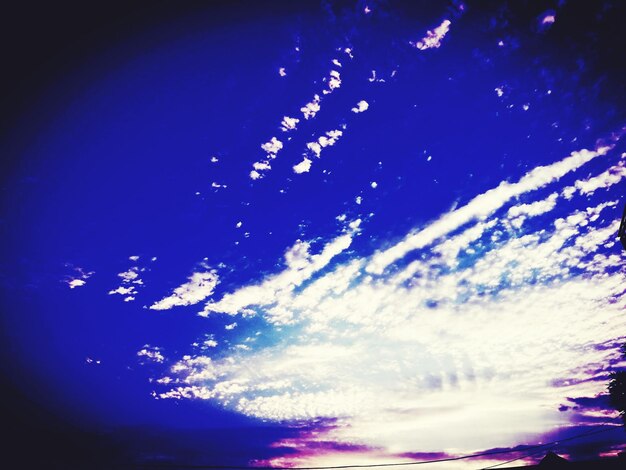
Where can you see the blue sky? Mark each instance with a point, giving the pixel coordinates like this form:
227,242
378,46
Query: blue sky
391,240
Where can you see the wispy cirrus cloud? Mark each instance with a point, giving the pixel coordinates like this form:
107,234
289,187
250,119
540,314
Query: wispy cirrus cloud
483,205
300,266
389,347
200,285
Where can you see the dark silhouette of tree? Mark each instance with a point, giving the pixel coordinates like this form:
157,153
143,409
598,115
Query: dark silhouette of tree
617,390
617,384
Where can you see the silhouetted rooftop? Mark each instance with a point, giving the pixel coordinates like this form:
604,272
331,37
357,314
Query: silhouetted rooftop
552,460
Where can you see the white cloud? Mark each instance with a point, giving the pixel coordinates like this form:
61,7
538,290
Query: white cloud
123,290
334,81
604,180
450,248
261,166
360,107
546,20
310,109
79,278
468,344
199,286
151,353
289,123
129,275
73,283
434,37
406,369
130,281
315,148
534,208
373,78
273,146
329,139
189,392
482,206
303,167
298,256
301,265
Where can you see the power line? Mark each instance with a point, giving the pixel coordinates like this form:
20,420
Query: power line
380,465
549,445
540,451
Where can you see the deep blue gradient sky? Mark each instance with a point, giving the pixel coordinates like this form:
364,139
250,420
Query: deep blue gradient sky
446,264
